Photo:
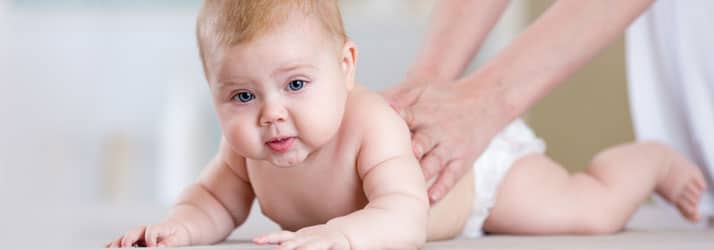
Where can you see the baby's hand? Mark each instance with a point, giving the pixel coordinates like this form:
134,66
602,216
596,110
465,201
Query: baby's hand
312,238
167,234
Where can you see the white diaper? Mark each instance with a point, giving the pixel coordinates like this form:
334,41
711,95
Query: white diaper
512,143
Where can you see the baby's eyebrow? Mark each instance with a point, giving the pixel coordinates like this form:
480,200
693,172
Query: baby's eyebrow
226,82
291,67
221,84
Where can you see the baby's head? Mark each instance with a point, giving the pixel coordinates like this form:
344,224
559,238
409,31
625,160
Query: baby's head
279,72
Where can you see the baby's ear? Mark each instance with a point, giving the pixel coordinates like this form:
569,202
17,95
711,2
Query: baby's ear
348,62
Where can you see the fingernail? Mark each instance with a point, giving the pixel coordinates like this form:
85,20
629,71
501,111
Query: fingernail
434,196
417,151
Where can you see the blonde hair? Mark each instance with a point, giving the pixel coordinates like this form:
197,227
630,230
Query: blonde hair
226,23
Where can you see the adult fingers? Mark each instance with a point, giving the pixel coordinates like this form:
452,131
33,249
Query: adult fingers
401,97
432,163
408,115
448,177
391,94
423,142
410,110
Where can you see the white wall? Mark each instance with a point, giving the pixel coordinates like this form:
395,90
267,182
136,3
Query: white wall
76,82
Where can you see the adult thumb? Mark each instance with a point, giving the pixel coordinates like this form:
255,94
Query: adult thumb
407,114
400,97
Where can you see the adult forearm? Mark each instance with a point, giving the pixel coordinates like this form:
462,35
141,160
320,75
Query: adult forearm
456,31
564,38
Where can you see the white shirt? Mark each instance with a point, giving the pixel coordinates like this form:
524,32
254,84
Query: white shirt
670,57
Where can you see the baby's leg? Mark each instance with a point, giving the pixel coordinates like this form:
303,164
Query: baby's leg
538,196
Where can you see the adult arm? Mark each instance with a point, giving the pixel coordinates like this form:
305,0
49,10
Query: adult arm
453,123
455,33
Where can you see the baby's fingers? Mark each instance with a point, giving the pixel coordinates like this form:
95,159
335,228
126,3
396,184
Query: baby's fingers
151,235
274,238
115,243
133,237
295,243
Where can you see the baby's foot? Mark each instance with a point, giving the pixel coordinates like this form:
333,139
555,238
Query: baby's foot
683,186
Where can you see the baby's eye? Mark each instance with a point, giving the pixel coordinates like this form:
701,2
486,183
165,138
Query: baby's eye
296,85
244,96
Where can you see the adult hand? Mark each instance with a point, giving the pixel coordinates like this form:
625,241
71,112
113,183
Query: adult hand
451,125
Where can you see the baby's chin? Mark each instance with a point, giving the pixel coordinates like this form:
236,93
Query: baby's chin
288,159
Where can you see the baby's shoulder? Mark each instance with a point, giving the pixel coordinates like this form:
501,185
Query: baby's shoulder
367,109
383,133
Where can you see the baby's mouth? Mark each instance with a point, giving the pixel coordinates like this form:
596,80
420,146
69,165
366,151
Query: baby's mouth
281,144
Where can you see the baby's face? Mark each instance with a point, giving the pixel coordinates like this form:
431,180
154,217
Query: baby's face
282,95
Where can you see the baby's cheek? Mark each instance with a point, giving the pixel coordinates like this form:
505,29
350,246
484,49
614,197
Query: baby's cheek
242,138
317,128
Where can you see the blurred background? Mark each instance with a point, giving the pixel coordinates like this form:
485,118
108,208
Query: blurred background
106,114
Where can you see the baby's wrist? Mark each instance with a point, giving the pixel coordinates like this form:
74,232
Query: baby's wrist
186,229
336,227
180,217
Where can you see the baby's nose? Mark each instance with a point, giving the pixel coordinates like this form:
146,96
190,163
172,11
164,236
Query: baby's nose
272,114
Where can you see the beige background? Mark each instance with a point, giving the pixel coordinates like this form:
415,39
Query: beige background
587,113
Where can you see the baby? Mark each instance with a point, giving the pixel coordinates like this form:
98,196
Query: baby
332,164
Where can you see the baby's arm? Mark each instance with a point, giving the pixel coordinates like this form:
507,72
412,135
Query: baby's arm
206,212
218,202
396,216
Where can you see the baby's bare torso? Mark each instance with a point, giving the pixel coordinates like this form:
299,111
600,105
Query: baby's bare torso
327,184
311,194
